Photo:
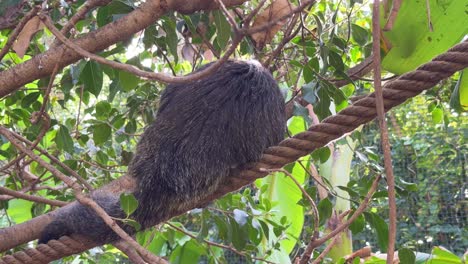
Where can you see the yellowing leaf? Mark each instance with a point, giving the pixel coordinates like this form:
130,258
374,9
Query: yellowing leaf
24,38
276,10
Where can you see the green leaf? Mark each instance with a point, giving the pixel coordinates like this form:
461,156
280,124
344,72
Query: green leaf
158,243
239,236
335,60
300,111
459,98
128,81
102,158
322,107
29,99
169,27
223,29
437,115
414,42
357,225
19,210
189,253
103,109
101,133
92,77
360,35
381,228
115,9
149,37
406,256
441,256
322,154
130,127
409,186
296,124
63,139
310,69
325,209
133,224
128,203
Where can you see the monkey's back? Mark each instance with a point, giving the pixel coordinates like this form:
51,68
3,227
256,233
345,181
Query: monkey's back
202,131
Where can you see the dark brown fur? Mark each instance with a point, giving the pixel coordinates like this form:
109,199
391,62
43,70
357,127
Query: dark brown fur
203,131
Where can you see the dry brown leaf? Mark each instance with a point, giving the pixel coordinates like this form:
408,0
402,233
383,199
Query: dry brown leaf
24,38
277,9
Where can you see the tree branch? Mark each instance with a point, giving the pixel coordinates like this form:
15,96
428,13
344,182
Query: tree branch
43,64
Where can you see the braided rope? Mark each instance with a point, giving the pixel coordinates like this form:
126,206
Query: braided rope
45,253
362,111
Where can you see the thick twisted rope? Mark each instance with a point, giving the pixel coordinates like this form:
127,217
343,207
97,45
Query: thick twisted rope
362,111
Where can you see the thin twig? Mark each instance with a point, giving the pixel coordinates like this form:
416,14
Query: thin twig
287,37
29,197
46,94
393,15
230,19
77,132
55,160
207,43
253,13
326,250
384,131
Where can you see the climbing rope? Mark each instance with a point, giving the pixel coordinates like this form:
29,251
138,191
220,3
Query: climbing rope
362,111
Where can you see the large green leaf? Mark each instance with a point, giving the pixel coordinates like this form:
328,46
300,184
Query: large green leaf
92,77
223,28
380,227
414,43
286,195
19,210
442,256
169,26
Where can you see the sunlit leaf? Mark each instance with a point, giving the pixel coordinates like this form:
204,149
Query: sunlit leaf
128,203
64,140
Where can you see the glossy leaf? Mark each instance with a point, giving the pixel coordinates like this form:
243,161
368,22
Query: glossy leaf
406,256
64,140
128,203
223,28
101,133
92,77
